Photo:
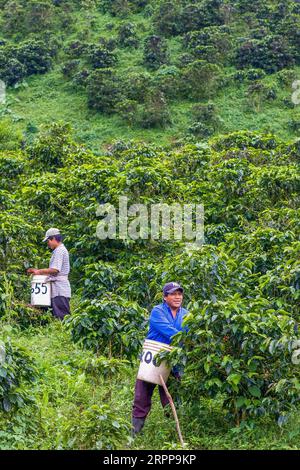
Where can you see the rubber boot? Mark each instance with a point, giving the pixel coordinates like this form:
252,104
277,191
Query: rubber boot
137,425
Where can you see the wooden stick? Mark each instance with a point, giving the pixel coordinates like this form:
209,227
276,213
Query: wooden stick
173,410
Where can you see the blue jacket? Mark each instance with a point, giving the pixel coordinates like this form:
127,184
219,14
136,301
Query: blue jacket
163,325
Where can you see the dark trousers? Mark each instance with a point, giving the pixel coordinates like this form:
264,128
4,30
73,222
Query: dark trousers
60,306
142,398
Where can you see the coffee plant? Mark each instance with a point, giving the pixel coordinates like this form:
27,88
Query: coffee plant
17,372
109,324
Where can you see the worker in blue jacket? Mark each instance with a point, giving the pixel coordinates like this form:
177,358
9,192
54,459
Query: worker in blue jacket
165,321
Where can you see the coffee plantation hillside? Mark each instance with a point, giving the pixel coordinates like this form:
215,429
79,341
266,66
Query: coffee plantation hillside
241,289
159,71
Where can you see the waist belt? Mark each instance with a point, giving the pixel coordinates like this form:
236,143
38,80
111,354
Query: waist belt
57,278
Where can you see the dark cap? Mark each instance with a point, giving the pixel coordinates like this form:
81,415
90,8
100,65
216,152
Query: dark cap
171,287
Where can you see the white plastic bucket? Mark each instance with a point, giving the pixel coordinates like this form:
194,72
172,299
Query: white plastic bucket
148,370
40,291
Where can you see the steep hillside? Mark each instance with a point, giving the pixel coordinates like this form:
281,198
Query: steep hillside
162,71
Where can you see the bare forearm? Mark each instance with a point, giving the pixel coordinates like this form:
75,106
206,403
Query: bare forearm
47,271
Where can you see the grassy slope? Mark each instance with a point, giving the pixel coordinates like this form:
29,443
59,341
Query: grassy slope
50,97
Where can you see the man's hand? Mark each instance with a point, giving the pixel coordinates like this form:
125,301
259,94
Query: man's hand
32,271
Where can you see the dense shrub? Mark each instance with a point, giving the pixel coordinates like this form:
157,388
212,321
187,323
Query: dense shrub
135,85
17,372
33,16
17,240
98,428
271,54
26,316
244,139
155,52
127,36
156,112
53,147
241,286
75,49
128,110
206,120
11,70
35,55
112,325
10,138
100,278
249,74
288,26
250,362
212,43
200,79
167,18
258,93
28,58
103,90
123,7
24,18
99,57
195,16
167,80
70,67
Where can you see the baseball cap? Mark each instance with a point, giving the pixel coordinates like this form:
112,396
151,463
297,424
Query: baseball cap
171,287
50,233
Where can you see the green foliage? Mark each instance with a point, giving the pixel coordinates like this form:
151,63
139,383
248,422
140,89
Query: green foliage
28,58
195,16
103,90
127,36
17,241
12,164
135,85
110,324
54,148
34,17
100,278
206,120
100,57
242,286
212,43
200,79
167,79
271,54
9,140
17,372
258,93
26,316
101,366
167,18
116,7
97,427
156,112
122,7
155,52
15,311
11,70
250,362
